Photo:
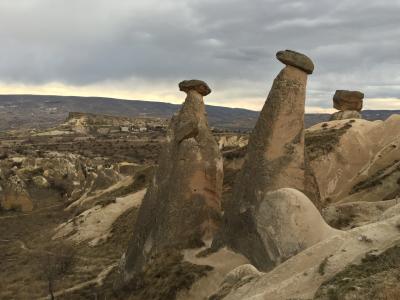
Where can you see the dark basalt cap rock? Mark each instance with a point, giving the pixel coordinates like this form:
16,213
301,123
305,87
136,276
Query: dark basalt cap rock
198,85
296,59
348,100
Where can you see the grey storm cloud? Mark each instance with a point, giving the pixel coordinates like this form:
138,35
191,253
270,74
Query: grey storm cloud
355,44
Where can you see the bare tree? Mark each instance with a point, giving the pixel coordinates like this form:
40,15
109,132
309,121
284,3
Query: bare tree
55,263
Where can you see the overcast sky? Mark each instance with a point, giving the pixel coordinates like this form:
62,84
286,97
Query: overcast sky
141,49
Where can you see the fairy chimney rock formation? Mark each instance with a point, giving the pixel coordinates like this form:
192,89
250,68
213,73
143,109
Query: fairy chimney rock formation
275,159
182,206
349,104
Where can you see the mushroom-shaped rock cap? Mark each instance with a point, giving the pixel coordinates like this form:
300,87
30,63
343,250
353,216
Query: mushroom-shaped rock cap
296,59
348,100
198,85
345,95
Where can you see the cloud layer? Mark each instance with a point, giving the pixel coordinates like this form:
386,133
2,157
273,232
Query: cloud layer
151,45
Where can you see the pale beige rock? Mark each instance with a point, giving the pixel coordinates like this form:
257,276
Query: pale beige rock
237,277
352,152
355,214
288,222
344,115
301,276
392,211
223,262
383,185
95,224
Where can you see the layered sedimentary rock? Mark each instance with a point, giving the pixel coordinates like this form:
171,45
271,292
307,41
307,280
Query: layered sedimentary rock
349,104
182,207
275,159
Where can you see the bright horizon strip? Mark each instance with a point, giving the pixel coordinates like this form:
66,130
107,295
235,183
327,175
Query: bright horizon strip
164,94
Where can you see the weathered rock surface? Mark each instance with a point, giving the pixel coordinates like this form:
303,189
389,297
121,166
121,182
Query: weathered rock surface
302,275
355,214
348,100
296,59
288,222
26,179
234,279
223,262
376,277
197,85
14,195
392,211
231,141
383,185
344,115
182,205
355,158
95,224
275,159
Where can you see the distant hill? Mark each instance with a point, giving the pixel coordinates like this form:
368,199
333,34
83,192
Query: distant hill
42,111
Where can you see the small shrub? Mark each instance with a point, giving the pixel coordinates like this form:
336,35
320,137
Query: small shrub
322,266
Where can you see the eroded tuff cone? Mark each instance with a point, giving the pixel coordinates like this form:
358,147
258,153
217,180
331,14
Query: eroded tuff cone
275,159
182,206
348,100
296,59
